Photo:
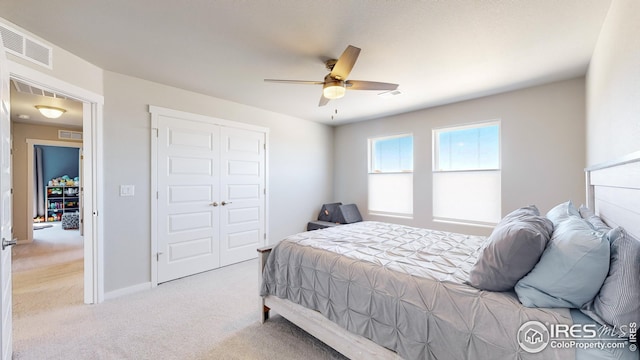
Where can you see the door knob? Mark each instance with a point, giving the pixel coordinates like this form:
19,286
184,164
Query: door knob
214,204
226,203
6,243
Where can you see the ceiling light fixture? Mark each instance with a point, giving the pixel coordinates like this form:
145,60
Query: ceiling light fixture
50,112
333,89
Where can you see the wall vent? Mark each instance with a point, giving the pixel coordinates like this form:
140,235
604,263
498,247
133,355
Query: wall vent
33,90
26,47
69,135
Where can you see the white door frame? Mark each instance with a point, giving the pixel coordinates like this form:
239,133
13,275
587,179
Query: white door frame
30,147
157,111
92,120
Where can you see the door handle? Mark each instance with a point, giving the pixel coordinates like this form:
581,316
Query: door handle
6,243
226,203
214,204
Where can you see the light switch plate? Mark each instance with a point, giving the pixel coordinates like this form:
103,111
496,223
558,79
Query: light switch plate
127,190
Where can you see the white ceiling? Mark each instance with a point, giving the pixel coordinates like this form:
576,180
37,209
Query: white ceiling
438,51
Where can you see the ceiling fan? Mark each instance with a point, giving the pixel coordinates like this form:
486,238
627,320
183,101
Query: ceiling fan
335,84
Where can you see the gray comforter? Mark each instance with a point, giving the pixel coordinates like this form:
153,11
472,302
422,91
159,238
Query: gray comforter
404,288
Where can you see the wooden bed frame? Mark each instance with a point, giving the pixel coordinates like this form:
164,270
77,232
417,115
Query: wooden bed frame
613,192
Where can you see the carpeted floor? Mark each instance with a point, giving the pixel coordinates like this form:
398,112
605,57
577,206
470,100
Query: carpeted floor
213,315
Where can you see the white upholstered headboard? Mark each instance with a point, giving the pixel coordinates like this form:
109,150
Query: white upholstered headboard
613,192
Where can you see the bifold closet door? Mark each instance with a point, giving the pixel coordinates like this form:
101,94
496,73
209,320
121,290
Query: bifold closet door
188,176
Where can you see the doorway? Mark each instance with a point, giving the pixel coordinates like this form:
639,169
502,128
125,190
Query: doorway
63,178
46,200
91,108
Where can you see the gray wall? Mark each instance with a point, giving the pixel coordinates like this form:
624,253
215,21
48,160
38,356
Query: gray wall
543,146
300,169
613,86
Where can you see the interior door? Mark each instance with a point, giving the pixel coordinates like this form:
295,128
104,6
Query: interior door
188,193
5,212
242,183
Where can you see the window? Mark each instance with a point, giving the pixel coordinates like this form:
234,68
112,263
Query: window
466,174
391,176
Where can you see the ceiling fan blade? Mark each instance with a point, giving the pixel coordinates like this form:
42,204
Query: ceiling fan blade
345,63
323,101
295,81
369,85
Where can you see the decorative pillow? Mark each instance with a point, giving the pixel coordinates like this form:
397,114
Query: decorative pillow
585,212
561,212
571,269
593,219
618,303
513,249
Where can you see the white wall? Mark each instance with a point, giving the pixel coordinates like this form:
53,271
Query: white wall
543,146
300,168
613,86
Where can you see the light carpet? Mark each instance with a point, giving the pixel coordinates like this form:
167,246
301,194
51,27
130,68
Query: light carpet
213,315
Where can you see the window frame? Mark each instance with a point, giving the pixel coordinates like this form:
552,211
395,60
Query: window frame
436,170
480,124
371,157
371,171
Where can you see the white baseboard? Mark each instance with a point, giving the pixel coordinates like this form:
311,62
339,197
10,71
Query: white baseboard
126,291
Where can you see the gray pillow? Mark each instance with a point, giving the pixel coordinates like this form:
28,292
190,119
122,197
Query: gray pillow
618,302
571,270
513,249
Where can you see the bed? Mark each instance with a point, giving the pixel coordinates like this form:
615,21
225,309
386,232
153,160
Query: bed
375,290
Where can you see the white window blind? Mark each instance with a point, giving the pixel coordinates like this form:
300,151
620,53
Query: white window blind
391,176
466,174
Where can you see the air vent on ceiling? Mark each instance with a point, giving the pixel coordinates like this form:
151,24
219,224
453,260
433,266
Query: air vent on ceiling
69,135
28,89
25,47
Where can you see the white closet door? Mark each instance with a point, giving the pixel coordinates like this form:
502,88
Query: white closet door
188,179
242,181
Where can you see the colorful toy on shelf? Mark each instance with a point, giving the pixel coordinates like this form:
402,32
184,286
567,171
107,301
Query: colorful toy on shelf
64,180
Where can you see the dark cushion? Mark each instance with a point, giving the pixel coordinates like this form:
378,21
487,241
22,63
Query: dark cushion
328,212
348,214
513,249
315,225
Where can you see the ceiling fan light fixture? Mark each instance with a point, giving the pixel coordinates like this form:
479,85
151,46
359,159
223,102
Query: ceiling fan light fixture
334,89
50,112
